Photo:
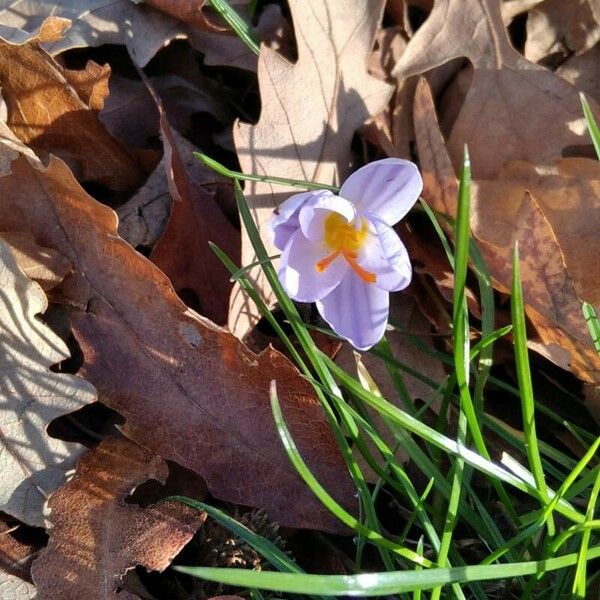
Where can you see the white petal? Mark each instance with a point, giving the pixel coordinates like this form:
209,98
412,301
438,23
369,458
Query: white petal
313,214
357,311
298,273
285,222
387,188
385,255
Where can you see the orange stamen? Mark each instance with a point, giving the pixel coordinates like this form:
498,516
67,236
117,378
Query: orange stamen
365,275
325,262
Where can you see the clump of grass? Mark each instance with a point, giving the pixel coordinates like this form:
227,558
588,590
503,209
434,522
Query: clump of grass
547,497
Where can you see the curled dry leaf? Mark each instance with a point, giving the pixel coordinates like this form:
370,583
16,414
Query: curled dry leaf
141,28
46,113
130,114
199,397
183,252
559,27
142,219
310,111
91,83
44,265
188,11
505,212
32,463
96,535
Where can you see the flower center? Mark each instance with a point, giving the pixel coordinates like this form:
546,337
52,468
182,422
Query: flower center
343,238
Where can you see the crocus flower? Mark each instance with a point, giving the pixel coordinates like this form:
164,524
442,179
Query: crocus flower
342,252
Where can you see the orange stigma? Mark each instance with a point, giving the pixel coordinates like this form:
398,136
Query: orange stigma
343,238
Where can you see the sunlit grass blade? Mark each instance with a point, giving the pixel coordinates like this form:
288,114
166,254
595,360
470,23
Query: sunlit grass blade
525,385
317,489
580,581
216,166
430,435
382,584
591,318
237,23
461,346
591,123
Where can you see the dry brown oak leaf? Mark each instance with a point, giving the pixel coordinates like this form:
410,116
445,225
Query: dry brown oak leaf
513,109
310,111
505,212
32,464
44,265
46,113
189,390
96,536
136,24
559,27
183,252
94,22
16,556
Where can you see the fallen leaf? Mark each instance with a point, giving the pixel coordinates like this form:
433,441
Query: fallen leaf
557,27
96,535
582,71
189,390
272,29
183,252
15,588
47,114
32,463
45,266
310,111
495,119
129,113
16,556
141,28
188,11
142,219
91,83
503,211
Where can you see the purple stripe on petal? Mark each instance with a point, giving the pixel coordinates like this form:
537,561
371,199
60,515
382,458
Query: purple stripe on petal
298,273
385,255
387,188
356,311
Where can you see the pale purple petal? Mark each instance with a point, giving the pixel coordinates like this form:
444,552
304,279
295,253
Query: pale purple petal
285,222
385,255
313,214
298,274
387,188
357,311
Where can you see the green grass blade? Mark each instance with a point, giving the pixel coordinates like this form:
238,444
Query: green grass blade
525,385
381,584
591,124
239,26
320,492
320,368
211,163
430,435
580,582
279,559
460,319
591,318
